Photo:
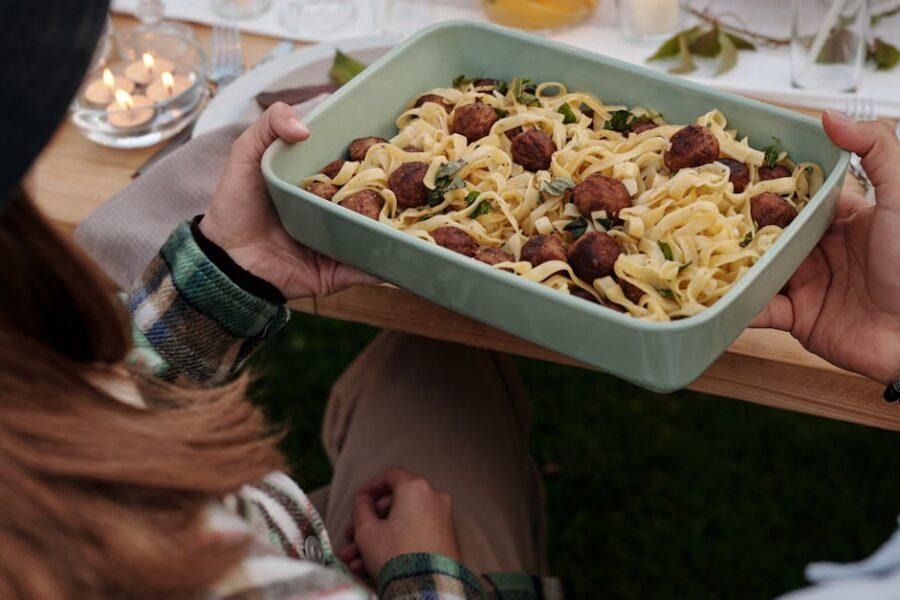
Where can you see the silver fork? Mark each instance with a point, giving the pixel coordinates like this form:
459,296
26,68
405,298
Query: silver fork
860,109
227,60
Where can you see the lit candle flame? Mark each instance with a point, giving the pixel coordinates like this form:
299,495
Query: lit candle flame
168,82
124,99
108,79
148,61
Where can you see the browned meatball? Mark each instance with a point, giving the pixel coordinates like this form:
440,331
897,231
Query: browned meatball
486,85
594,255
408,184
533,149
323,190
436,99
740,174
631,291
771,209
777,172
599,192
642,125
474,121
333,168
360,146
365,202
692,146
543,248
493,256
455,239
512,133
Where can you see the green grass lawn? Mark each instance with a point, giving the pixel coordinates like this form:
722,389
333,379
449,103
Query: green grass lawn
651,496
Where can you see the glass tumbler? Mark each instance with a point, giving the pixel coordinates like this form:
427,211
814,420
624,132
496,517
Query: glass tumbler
828,43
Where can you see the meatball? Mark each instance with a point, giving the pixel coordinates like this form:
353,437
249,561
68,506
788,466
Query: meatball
740,174
408,184
486,85
631,291
474,121
365,202
332,169
642,125
771,209
323,190
777,172
493,256
360,146
512,133
692,146
455,239
543,248
533,149
436,99
594,255
599,192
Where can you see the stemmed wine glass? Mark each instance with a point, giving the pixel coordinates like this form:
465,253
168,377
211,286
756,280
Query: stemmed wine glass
317,16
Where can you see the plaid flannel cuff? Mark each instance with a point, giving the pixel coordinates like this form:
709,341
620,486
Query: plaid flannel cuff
197,322
432,575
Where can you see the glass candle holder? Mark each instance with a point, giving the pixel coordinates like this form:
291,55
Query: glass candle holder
828,43
128,104
545,15
649,20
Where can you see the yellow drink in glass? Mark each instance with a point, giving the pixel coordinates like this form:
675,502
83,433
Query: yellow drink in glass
539,14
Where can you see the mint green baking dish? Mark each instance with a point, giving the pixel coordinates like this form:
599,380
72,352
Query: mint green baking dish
660,356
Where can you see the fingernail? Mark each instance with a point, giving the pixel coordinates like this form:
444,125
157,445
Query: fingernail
839,117
297,126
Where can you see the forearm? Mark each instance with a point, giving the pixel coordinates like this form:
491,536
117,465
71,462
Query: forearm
191,321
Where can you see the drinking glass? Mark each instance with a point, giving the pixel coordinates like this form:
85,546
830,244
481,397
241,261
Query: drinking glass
649,20
548,15
403,17
240,9
828,43
317,16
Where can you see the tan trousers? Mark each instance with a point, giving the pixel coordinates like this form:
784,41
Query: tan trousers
455,414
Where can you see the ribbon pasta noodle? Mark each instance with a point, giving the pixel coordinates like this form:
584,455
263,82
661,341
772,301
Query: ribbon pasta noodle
686,240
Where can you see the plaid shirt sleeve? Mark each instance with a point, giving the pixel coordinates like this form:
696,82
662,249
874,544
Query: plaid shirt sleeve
191,323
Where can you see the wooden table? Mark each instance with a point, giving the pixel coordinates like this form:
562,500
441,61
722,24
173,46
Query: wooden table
74,176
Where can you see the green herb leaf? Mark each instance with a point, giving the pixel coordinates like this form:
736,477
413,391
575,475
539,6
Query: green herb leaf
747,239
885,55
568,115
728,54
620,121
461,80
557,186
741,43
884,15
607,224
706,44
669,48
684,54
773,152
576,227
683,267
483,208
449,169
521,91
666,250
500,112
666,292
472,197
344,68
442,185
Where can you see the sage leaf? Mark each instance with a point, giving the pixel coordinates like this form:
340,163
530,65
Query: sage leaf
884,55
669,48
449,169
344,68
707,44
684,54
500,112
773,152
727,55
620,121
442,185
741,43
576,227
523,90
568,115
607,224
747,239
683,267
461,80
666,250
482,209
557,186
472,197
665,292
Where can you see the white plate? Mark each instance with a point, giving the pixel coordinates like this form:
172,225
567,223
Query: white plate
306,66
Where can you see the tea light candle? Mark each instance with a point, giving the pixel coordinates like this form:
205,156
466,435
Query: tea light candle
167,86
129,111
103,90
651,17
148,68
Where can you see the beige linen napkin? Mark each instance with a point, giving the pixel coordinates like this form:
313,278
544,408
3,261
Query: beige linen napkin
124,234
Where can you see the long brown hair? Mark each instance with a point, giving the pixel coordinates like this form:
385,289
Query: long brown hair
97,498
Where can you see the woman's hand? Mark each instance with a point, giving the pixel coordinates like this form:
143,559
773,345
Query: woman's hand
843,303
398,513
242,221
